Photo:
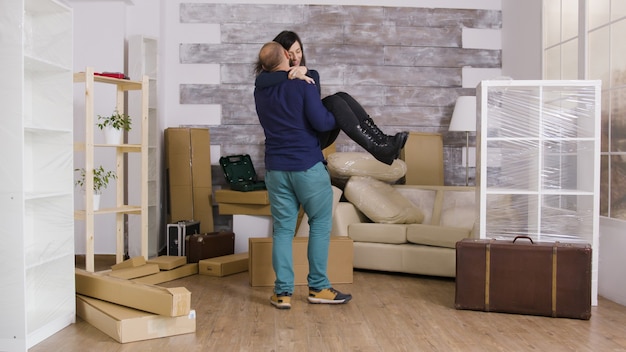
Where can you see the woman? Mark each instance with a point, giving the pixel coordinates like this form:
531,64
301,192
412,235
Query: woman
349,114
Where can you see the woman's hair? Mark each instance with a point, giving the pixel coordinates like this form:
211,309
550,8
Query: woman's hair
286,39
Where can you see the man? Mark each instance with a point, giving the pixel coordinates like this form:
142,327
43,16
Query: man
291,114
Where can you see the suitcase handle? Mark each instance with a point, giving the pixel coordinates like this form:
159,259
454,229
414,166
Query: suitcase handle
525,237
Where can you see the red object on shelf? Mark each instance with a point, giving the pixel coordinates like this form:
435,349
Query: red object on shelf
118,75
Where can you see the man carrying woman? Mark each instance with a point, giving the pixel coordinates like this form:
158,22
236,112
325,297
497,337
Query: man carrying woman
349,114
292,115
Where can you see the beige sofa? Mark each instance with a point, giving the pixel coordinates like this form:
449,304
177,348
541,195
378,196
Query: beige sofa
426,248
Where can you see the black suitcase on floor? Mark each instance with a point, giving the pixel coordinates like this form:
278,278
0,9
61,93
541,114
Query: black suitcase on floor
176,234
522,277
209,245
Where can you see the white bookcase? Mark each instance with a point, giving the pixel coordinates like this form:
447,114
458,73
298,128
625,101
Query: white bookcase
139,147
538,172
143,61
36,177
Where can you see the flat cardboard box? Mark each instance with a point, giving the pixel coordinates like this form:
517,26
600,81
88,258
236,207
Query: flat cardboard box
224,265
128,325
423,155
244,209
129,263
237,197
168,262
329,150
169,275
172,302
131,273
340,261
188,165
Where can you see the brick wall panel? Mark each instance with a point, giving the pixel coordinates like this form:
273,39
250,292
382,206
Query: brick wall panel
402,64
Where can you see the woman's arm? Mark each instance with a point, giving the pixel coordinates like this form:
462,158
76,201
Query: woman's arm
299,72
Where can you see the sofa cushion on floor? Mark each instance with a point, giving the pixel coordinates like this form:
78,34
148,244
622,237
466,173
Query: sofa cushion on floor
380,202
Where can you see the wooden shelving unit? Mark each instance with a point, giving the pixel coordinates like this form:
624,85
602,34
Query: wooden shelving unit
122,87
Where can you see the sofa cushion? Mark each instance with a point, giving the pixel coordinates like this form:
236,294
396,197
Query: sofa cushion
438,236
459,209
343,165
380,202
379,233
345,214
423,199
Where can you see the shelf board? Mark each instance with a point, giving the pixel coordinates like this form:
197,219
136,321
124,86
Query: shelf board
126,209
123,84
46,195
126,148
543,192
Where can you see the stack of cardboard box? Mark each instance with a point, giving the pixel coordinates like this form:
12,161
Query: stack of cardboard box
144,311
189,183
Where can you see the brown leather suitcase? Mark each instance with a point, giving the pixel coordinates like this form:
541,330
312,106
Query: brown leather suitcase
209,245
522,277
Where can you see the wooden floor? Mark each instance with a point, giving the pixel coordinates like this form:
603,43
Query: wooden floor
389,312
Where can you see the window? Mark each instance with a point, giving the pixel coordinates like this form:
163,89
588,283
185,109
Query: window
602,32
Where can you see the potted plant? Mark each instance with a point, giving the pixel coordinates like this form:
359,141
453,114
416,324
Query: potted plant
101,179
114,126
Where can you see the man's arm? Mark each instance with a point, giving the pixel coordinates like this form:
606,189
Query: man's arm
316,113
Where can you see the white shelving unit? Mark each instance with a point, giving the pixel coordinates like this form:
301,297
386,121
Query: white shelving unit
142,61
140,148
538,171
36,188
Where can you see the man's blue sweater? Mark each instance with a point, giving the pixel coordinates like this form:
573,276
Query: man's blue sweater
291,113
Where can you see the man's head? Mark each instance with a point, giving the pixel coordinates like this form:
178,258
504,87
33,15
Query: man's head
273,57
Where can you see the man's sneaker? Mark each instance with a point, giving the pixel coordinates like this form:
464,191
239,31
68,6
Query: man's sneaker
281,300
328,295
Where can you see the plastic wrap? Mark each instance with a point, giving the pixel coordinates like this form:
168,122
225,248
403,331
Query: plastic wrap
538,167
343,165
380,202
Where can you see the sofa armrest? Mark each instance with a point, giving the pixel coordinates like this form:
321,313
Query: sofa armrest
345,214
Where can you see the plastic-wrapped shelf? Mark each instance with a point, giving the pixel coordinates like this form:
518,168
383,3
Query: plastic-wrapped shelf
538,147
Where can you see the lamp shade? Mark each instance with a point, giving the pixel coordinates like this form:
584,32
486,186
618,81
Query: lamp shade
464,115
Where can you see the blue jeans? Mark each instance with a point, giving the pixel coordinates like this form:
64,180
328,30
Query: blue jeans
288,190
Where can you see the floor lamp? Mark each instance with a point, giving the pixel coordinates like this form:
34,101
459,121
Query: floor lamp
464,120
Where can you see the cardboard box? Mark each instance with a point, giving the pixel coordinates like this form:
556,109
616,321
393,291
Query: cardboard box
171,302
237,197
188,165
224,265
130,263
329,150
340,261
169,275
128,325
131,273
423,155
244,209
168,262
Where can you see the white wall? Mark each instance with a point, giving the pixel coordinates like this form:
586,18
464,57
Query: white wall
521,39
611,278
98,43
